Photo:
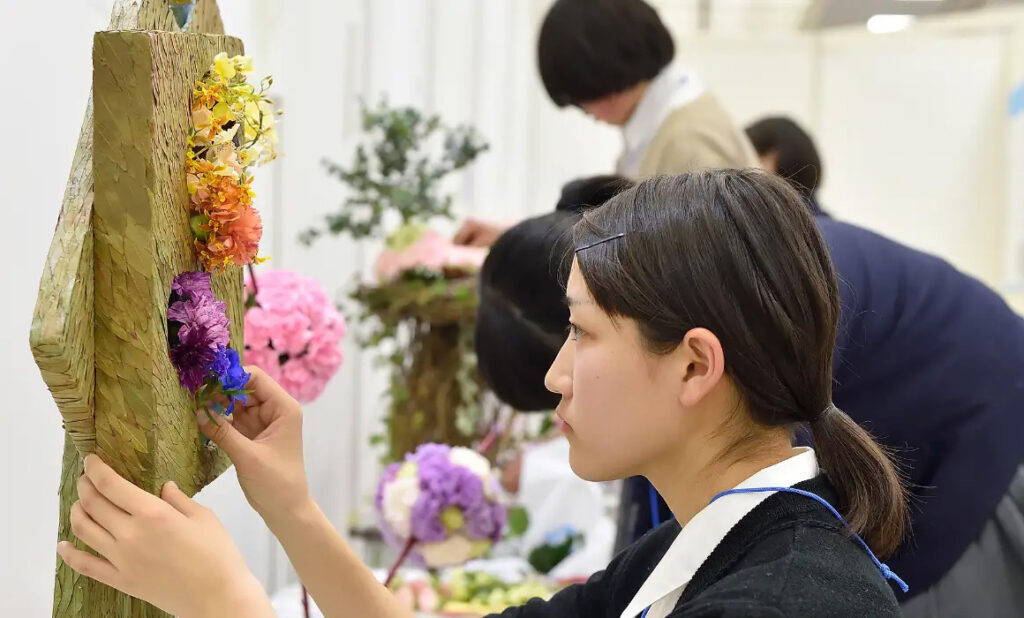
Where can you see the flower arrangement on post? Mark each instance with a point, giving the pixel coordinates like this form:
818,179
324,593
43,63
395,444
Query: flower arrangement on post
197,326
420,311
293,332
233,130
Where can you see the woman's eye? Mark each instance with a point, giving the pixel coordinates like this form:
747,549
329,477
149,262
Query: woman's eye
575,332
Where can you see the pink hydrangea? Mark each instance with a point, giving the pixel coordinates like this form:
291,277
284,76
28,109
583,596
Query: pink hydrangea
294,332
431,252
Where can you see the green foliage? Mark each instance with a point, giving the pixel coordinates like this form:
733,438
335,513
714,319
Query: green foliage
420,324
398,170
546,557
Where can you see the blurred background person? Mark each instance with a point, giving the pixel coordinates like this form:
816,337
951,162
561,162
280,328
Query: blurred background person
614,59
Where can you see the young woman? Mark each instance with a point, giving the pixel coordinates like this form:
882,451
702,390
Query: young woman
703,313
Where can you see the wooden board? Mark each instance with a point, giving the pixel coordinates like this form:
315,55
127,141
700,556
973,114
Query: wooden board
145,421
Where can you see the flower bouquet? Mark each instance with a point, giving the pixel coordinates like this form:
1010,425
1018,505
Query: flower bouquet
442,505
293,332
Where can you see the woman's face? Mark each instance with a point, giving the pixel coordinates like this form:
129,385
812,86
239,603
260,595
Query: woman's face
620,403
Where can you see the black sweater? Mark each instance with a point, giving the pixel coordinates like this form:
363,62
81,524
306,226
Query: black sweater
787,557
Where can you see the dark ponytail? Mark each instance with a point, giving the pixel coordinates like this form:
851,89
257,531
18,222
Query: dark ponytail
738,253
874,498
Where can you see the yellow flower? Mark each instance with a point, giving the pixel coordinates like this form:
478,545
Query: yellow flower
222,113
223,66
243,64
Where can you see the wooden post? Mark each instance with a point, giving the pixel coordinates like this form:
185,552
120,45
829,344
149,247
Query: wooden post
84,336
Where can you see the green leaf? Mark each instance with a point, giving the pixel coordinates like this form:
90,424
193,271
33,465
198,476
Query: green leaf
518,521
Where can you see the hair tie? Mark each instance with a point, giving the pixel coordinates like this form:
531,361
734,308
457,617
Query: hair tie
599,242
829,410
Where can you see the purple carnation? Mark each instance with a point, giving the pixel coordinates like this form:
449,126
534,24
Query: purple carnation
192,285
192,356
199,326
204,314
426,522
429,451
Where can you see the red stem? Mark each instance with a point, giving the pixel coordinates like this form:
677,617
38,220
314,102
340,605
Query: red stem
255,287
485,444
305,602
401,559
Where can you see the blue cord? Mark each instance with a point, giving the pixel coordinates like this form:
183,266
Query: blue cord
885,570
655,515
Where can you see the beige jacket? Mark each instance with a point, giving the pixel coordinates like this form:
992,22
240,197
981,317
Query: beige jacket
699,135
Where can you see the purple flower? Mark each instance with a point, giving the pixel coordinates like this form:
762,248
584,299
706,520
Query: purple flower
443,487
429,451
192,285
204,314
426,518
191,356
198,323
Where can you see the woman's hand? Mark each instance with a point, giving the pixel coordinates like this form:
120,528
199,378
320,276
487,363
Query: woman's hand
170,552
264,440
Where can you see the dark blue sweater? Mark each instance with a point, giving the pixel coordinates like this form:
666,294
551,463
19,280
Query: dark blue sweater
931,362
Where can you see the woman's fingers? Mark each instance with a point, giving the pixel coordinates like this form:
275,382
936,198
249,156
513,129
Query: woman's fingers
116,489
101,510
89,565
85,528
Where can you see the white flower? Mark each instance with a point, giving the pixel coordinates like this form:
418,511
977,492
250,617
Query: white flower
397,501
456,549
475,462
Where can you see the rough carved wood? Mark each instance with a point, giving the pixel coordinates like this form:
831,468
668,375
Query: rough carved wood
62,339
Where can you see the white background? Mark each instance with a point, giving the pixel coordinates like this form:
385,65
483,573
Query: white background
913,128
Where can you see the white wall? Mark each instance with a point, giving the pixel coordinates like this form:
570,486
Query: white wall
911,128
876,105
46,79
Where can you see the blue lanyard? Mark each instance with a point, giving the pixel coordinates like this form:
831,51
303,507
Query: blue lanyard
882,567
655,514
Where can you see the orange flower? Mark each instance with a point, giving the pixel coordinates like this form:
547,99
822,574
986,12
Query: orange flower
234,242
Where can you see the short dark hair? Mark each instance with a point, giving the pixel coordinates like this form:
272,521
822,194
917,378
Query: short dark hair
589,49
797,158
755,272
522,318
584,193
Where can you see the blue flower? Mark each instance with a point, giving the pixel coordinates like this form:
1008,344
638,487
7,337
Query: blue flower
227,369
559,535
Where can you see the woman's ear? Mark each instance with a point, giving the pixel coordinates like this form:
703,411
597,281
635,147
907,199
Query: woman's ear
702,364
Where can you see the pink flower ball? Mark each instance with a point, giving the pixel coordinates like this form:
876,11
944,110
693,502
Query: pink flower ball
431,252
294,333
